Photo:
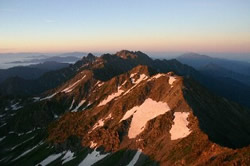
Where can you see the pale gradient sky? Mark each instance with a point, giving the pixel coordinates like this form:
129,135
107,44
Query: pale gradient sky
111,25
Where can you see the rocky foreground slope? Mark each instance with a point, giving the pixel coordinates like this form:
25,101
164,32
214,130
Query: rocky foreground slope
134,117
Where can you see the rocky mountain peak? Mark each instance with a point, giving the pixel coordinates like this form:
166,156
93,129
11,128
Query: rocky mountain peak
90,56
125,54
142,69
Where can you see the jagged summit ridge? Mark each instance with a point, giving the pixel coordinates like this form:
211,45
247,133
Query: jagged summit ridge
126,54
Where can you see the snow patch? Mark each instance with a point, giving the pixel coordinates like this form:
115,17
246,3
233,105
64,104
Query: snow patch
14,147
135,158
2,115
3,125
100,123
142,114
159,75
124,83
15,106
156,76
68,156
27,151
71,106
36,99
111,97
93,144
2,138
132,75
49,97
171,80
97,83
79,105
71,87
28,132
141,78
139,140
92,158
50,159
100,83
180,129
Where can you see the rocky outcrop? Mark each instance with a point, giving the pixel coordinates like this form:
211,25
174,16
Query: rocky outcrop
140,89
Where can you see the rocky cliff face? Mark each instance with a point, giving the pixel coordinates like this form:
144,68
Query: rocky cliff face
160,115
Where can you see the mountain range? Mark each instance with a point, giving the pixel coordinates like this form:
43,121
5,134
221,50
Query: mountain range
124,109
60,59
198,61
31,71
215,67
121,62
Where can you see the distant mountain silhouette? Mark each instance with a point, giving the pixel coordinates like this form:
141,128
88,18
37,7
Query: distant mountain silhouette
60,59
31,71
218,71
198,61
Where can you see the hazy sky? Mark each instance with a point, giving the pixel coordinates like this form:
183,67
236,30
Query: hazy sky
108,25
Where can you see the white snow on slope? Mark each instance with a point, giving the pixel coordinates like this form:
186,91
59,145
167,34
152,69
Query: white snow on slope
135,158
27,151
71,87
97,83
71,106
14,147
78,106
3,125
28,132
156,76
92,158
68,156
180,129
100,84
100,122
36,99
141,78
171,80
50,159
15,106
132,75
142,114
48,97
2,138
92,144
124,83
111,97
